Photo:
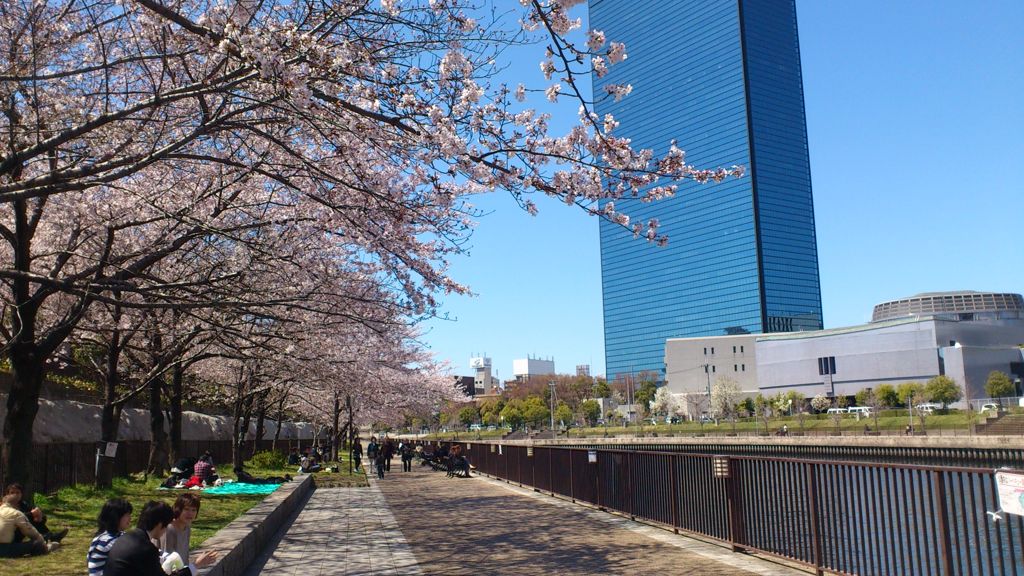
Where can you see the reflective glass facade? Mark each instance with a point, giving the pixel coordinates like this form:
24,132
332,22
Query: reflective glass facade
722,78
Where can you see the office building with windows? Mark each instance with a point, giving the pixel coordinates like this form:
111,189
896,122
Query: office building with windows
722,78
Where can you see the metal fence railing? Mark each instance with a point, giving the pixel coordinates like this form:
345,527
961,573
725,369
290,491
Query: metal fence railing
847,517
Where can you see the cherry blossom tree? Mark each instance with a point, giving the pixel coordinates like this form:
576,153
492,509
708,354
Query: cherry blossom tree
134,129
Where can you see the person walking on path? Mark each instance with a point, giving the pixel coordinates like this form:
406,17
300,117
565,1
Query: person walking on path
357,453
380,464
371,452
389,453
407,455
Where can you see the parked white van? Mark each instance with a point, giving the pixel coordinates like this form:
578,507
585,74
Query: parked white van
838,411
861,410
927,407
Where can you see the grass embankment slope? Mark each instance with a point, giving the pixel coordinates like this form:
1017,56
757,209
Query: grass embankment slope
891,421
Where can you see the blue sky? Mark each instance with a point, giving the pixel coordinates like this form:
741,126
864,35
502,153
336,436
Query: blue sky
915,125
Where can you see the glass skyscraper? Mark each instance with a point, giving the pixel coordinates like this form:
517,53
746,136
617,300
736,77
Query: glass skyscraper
722,78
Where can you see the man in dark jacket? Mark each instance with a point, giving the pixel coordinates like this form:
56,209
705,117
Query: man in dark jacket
134,554
389,452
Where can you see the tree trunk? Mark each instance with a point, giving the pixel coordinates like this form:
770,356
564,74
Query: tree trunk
110,421
261,416
236,433
27,374
280,421
158,436
177,378
336,438
246,417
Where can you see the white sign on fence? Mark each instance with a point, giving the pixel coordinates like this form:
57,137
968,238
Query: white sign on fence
111,450
1011,491
592,456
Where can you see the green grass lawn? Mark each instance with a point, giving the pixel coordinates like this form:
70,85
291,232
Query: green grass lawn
77,508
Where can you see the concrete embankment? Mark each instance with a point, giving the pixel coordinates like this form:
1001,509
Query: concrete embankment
69,421
991,442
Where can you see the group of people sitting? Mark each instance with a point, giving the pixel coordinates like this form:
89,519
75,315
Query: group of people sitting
192,472
308,462
23,530
449,458
156,547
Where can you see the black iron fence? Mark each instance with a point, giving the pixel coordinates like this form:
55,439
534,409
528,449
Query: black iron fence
65,464
844,517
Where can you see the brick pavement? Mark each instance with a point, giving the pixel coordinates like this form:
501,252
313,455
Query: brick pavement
483,526
421,522
340,532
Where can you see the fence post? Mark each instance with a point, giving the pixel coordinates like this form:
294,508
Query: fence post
675,492
941,509
812,508
735,518
572,489
551,468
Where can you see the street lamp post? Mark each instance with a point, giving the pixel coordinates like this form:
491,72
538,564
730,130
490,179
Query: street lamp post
551,384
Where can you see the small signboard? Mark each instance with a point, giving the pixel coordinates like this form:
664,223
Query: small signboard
499,449
1011,491
592,456
529,450
110,450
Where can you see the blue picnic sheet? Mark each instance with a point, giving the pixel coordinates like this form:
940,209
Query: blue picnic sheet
241,488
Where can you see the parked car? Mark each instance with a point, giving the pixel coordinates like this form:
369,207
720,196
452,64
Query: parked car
706,419
989,407
861,410
927,407
838,411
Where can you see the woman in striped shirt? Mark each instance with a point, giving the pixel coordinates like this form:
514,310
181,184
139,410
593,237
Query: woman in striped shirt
114,519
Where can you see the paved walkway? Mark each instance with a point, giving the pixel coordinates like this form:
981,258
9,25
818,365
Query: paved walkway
481,526
340,531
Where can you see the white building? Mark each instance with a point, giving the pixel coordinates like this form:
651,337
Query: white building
527,367
693,365
963,335
483,380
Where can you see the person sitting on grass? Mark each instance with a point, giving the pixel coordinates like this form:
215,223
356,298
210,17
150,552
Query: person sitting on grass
204,469
179,531
308,464
133,553
35,515
242,476
293,457
13,520
115,517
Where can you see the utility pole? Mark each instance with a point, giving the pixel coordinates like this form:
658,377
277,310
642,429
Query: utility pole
551,383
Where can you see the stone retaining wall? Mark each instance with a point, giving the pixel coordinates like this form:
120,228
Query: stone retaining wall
241,541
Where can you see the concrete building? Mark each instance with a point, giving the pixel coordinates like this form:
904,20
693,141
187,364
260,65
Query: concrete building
483,380
693,365
967,335
723,79
525,368
964,335
583,370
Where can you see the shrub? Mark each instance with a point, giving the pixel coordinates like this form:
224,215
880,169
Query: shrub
267,459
